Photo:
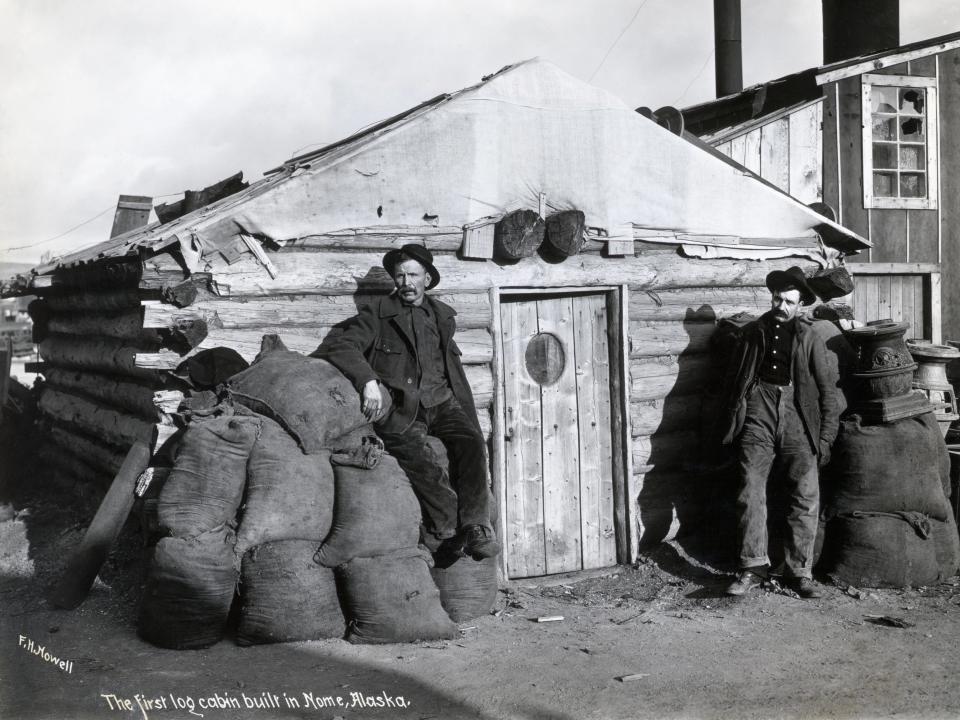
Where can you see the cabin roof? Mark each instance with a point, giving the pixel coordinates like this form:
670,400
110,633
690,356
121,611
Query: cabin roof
527,131
719,120
886,58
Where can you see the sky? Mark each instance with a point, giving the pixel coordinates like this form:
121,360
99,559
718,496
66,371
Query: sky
106,97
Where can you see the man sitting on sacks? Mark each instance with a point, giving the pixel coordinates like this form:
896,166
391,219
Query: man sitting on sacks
783,408
403,344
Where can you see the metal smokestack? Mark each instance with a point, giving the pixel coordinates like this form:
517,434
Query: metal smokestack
852,28
727,46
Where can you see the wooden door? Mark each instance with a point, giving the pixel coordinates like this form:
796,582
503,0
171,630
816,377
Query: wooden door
558,449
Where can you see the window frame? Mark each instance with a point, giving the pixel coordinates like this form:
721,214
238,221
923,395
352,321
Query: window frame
932,164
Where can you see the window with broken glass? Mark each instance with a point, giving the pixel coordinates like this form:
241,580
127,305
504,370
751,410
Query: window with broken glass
900,167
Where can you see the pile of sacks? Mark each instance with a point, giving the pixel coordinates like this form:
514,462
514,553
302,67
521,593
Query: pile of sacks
887,519
280,507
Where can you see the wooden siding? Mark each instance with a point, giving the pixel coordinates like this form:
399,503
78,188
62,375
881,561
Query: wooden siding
850,144
806,154
901,292
898,235
901,236
888,232
785,151
830,139
949,64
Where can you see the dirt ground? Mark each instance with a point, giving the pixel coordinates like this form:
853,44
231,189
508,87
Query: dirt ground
658,640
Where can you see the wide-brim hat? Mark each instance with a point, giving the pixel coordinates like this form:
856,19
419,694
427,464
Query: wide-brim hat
791,279
414,252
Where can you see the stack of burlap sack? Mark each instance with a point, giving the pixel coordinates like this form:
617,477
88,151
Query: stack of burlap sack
273,494
885,509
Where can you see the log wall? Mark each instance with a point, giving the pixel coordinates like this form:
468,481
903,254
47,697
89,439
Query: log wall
95,399
105,355
672,380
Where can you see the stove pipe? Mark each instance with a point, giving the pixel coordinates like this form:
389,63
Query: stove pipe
852,28
727,47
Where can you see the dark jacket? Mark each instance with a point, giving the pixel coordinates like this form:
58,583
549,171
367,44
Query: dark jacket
377,344
813,374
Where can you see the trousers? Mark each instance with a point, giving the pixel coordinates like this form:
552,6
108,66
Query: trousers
453,500
773,437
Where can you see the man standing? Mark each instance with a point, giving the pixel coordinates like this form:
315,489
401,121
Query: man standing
783,408
403,345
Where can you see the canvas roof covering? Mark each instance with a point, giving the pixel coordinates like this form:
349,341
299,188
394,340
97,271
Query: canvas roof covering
529,129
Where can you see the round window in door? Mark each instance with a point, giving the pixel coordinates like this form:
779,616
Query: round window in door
545,358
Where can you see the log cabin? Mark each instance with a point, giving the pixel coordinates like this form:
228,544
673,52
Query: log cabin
872,135
588,252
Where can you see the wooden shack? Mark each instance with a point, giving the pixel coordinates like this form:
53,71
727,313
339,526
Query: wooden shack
588,354
874,137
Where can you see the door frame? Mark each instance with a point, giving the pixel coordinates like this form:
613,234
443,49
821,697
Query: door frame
618,318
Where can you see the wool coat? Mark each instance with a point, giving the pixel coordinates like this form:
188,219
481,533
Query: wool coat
813,374
378,344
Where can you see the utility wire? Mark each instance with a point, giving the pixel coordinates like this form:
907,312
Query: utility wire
695,78
57,237
622,33
78,226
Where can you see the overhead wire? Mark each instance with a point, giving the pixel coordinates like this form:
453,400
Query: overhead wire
77,226
695,77
614,44
57,237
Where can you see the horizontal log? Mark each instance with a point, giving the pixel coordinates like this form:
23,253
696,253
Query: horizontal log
92,418
99,276
478,375
100,354
473,310
127,324
480,378
167,401
110,301
130,395
349,273
698,303
476,345
667,415
159,361
157,277
381,242
167,261
102,457
658,378
668,450
652,338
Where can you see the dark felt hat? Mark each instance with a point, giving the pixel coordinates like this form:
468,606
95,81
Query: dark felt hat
414,252
791,279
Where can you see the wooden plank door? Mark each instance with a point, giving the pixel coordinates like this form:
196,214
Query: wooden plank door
558,449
